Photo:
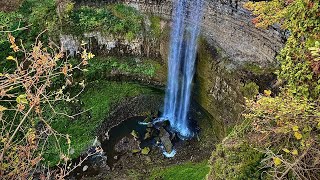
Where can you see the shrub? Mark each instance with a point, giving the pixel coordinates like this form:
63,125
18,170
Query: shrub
116,20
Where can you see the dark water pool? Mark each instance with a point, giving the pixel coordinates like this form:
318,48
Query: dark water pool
120,131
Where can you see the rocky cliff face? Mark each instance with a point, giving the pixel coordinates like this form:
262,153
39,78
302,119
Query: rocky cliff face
227,33
217,89
227,25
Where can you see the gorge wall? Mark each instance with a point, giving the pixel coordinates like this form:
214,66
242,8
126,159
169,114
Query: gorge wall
226,25
230,42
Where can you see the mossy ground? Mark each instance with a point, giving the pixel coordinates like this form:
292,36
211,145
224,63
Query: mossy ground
100,67
187,171
98,99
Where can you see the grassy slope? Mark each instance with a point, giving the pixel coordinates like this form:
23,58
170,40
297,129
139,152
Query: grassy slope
187,171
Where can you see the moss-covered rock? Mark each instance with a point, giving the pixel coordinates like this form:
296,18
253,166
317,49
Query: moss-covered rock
217,88
250,90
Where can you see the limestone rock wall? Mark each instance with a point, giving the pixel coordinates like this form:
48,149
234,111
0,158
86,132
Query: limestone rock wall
216,88
228,33
227,25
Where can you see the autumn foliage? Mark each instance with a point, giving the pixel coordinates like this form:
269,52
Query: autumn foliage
27,92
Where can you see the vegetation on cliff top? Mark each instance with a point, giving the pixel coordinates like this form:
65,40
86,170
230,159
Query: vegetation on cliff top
115,20
278,138
62,17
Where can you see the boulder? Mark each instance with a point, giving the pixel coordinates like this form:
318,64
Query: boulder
165,139
127,144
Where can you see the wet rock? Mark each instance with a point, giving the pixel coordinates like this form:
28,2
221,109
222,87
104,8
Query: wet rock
135,134
145,151
127,144
147,120
165,139
85,168
98,162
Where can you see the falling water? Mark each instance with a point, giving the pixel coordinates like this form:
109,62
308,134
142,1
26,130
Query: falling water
187,17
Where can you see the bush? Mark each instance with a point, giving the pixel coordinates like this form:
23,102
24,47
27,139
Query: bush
279,137
250,90
235,160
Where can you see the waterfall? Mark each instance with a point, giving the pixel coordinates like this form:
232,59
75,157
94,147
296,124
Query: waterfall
187,16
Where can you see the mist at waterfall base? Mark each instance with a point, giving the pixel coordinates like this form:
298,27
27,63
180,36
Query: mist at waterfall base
187,16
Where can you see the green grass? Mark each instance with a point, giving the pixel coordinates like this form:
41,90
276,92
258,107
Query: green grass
99,67
187,171
99,98
155,26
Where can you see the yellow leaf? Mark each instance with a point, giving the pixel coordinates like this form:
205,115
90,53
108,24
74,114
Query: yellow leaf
2,108
297,135
267,92
68,139
3,140
10,58
276,161
1,75
22,98
90,55
286,150
295,152
14,47
295,128
145,151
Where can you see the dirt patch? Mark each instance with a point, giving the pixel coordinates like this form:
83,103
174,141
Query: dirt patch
10,5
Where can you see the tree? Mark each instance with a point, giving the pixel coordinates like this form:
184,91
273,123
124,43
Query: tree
26,94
